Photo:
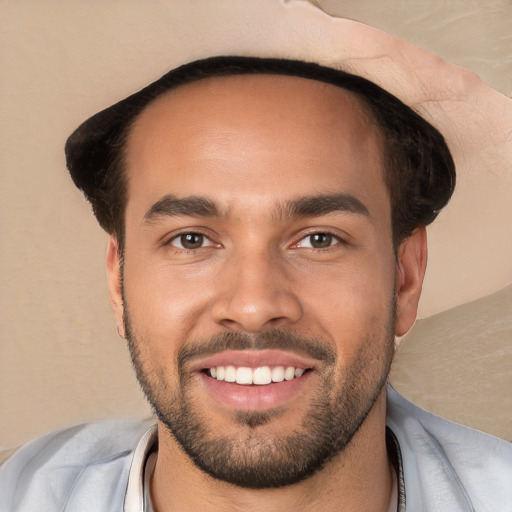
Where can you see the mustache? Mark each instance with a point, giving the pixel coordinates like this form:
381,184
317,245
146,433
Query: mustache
269,339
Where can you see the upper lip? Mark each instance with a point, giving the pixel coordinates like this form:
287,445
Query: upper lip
254,359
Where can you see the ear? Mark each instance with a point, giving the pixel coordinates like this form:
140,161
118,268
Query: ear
411,265
114,283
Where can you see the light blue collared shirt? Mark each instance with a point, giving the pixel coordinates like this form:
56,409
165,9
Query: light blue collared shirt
87,468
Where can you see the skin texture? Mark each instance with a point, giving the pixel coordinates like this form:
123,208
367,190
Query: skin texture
254,149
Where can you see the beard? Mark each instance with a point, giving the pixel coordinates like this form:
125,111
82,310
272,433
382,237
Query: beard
258,457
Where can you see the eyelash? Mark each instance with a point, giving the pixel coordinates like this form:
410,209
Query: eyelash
334,238
189,233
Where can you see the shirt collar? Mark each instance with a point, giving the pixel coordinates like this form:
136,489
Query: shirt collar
134,498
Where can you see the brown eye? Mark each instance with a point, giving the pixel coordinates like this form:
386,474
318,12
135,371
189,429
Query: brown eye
189,241
320,240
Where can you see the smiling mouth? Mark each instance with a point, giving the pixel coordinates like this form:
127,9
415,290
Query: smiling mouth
259,376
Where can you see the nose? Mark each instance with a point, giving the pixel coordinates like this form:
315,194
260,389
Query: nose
254,293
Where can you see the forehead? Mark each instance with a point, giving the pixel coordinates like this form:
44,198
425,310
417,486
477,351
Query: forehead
307,100
273,133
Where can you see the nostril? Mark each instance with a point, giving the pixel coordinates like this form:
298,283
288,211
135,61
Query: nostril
252,309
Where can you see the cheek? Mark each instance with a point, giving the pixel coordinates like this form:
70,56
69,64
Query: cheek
165,303
350,302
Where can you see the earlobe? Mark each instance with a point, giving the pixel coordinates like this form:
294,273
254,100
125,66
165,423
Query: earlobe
411,265
114,283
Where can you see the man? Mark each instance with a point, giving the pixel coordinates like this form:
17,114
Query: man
267,223
267,242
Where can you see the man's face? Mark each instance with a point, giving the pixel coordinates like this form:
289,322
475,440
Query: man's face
258,247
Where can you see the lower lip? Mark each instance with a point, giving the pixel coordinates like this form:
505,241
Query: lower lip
254,397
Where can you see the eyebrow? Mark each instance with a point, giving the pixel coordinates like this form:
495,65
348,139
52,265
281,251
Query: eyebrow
322,204
307,206
193,206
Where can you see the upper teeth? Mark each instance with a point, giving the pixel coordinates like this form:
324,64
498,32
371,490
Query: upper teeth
260,376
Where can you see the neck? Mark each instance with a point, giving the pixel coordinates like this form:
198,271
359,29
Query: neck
358,479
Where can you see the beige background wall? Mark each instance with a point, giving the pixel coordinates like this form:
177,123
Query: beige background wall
60,358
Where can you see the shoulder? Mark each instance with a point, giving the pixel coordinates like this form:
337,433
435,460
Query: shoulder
52,472
449,466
